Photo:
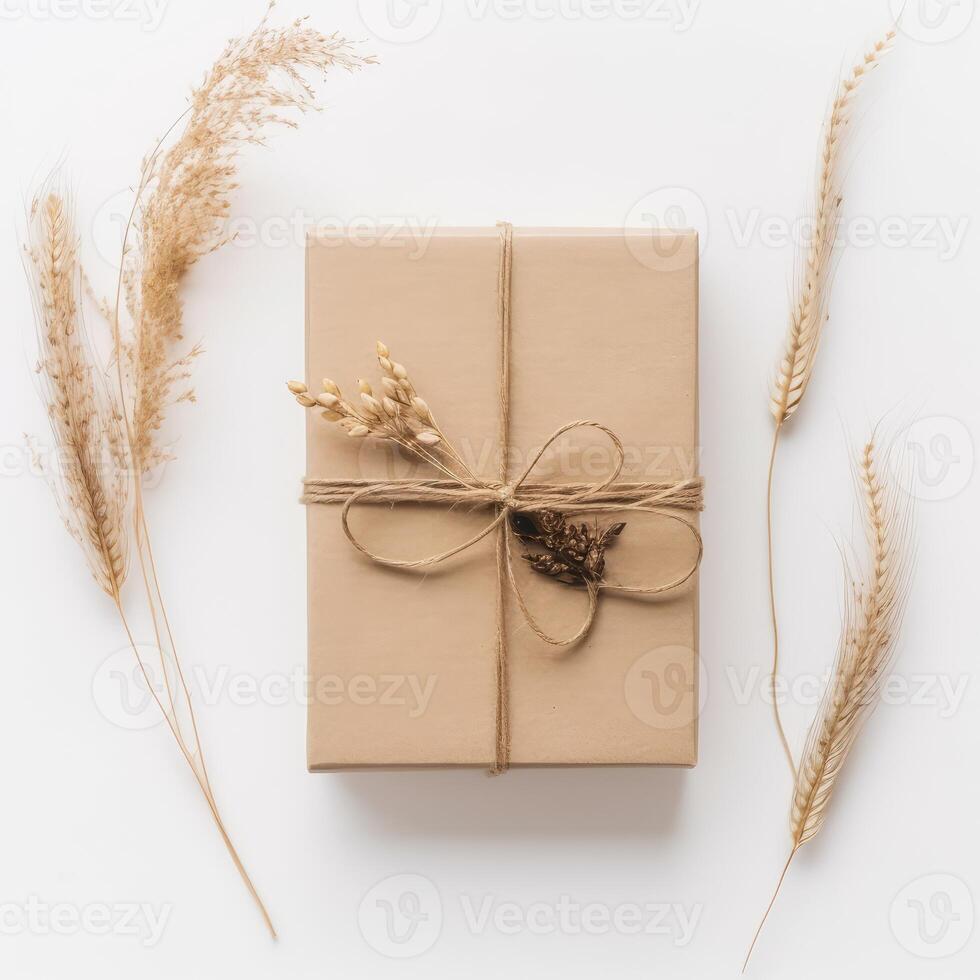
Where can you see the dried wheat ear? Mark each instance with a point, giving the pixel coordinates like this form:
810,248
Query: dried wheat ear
875,602
394,412
91,485
812,294
809,309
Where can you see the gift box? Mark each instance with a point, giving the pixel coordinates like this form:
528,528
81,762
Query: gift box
433,641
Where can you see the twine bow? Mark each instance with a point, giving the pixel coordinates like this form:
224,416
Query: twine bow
512,497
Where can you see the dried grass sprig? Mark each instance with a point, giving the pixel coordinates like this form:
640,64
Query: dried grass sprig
874,606
182,196
395,413
186,194
90,480
810,305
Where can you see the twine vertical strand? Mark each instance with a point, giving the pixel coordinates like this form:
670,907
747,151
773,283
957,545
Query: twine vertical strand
501,761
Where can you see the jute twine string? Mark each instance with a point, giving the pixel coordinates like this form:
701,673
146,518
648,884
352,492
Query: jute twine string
507,498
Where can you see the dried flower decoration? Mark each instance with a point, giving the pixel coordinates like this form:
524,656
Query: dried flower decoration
394,412
577,551
108,438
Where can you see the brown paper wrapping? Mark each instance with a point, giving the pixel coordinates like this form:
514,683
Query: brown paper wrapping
402,663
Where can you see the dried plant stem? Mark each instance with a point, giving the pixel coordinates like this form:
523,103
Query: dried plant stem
147,564
808,312
772,902
93,489
246,90
154,598
200,774
183,195
873,613
191,750
772,605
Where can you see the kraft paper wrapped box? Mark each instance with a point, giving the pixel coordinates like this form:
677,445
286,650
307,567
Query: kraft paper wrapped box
403,663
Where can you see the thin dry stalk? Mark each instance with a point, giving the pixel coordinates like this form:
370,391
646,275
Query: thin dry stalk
92,481
873,614
182,197
809,309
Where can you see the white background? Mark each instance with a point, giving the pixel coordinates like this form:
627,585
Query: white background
545,113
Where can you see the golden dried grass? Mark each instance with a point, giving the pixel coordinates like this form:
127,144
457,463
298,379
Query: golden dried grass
182,196
89,478
874,606
186,190
809,308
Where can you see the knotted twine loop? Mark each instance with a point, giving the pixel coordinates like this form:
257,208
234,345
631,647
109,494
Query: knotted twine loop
519,496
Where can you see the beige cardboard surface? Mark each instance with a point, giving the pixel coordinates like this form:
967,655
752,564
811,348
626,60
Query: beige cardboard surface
402,663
